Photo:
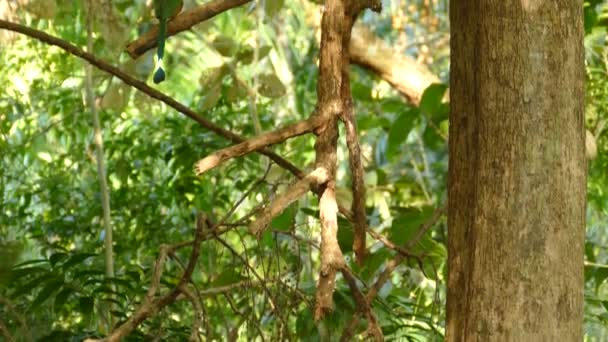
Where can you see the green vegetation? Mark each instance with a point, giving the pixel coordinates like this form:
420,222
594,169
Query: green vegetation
248,70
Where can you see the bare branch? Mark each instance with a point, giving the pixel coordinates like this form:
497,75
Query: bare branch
293,193
273,302
24,330
4,332
257,143
198,313
333,93
331,255
363,305
403,73
182,22
357,172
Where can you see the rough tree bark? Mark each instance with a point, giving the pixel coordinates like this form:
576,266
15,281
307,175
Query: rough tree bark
517,171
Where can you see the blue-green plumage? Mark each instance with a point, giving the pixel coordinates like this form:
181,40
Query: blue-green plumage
159,73
164,11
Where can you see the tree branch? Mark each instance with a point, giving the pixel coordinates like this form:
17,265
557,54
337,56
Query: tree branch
261,141
182,22
363,305
198,313
402,72
294,192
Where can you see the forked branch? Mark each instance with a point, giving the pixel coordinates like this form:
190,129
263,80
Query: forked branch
293,193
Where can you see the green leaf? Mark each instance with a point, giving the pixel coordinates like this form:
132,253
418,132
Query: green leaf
306,327
271,86
310,212
29,262
28,287
61,298
591,17
226,46
405,226
373,263
57,257
19,273
247,53
284,221
346,235
119,282
236,91
227,277
87,274
211,97
76,259
134,275
393,105
212,78
600,276
399,131
85,306
272,7
432,99
46,292
267,239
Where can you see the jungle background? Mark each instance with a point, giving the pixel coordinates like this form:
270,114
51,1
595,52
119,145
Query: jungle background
249,70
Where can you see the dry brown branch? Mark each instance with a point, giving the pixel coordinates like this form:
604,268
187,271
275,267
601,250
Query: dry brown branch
357,184
293,193
331,255
4,332
389,244
331,57
356,169
24,331
182,22
402,72
227,288
333,94
198,313
256,143
363,306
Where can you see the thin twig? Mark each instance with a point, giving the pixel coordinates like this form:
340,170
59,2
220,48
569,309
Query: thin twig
4,332
363,305
356,169
198,313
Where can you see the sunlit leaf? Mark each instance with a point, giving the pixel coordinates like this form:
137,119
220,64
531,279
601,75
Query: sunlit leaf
271,86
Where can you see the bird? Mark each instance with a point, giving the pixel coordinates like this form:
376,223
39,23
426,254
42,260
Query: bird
164,11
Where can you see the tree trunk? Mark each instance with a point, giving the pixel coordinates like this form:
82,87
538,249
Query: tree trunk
517,174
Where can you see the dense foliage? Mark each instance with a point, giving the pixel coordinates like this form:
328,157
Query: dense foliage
248,70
